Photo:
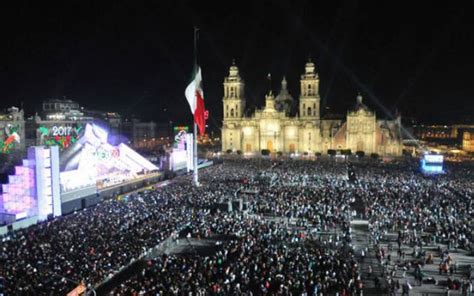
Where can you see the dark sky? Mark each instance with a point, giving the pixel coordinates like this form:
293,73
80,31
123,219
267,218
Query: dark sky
136,57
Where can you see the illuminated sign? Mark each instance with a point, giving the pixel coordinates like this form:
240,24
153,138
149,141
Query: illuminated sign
60,135
10,139
179,128
430,158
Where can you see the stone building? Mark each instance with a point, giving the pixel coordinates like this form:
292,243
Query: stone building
274,128
468,141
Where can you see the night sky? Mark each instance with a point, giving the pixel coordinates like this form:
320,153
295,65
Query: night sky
136,57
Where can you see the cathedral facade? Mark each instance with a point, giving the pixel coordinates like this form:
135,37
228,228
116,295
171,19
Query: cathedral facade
276,129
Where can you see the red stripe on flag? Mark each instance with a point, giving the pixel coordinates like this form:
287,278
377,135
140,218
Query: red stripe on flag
199,113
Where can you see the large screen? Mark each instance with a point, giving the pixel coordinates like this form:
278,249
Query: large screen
9,138
182,155
432,164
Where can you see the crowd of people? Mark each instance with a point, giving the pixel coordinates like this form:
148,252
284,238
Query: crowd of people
322,194
263,259
264,253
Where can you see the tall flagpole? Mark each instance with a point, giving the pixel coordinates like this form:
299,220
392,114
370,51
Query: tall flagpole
195,152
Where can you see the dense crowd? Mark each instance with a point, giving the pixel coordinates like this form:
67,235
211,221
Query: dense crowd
395,197
264,258
263,254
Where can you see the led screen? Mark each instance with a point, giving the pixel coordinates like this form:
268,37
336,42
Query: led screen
9,138
430,158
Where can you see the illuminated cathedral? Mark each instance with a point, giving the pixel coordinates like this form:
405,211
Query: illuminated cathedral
275,127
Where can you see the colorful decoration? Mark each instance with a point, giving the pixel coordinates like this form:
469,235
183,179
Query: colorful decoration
98,163
62,136
179,128
104,154
8,143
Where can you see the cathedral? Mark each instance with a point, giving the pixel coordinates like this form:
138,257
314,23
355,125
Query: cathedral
275,127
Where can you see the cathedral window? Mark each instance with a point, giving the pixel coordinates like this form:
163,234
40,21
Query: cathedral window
232,112
309,111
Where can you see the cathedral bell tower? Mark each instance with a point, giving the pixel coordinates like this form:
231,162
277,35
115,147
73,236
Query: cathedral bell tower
234,102
234,106
309,97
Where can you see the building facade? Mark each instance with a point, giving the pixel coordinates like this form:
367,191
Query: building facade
274,128
452,135
468,141
140,134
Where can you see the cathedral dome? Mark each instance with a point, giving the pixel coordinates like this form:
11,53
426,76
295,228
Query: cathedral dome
284,100
360,105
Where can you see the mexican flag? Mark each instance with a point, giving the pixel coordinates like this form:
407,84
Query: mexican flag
195,98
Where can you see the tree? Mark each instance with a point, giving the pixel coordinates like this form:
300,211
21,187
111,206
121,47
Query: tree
331,152
360,154
265,152
374,155
239,152
228,151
